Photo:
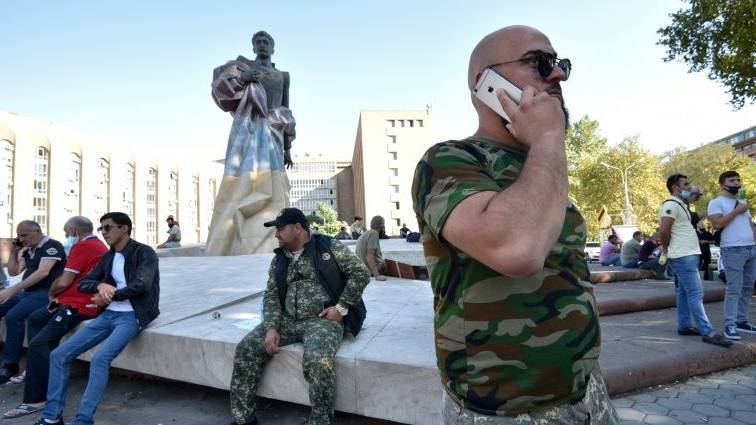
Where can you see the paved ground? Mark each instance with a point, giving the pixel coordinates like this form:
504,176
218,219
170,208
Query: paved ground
133,399
725,398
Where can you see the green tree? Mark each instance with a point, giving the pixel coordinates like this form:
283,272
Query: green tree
326,219
718,35
598,185
703,167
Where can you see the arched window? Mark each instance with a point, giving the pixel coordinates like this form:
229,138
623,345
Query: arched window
102,188
7,150
151,221
127,192
40,187
72,187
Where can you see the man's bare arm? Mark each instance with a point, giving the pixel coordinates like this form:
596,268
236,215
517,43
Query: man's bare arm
522,222
61,283
370,257
665,231
720,221
16,263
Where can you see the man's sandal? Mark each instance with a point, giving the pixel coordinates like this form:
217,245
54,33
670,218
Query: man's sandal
22,410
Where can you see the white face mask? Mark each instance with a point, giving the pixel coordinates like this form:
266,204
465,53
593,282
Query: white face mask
69,243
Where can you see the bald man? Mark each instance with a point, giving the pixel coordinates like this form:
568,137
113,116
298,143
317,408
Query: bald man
42,260
516,326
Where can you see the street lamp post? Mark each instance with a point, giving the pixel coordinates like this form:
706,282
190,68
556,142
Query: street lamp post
627,214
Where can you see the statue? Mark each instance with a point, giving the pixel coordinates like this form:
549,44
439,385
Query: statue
254,187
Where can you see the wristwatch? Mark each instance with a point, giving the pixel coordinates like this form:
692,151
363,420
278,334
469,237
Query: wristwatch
343,311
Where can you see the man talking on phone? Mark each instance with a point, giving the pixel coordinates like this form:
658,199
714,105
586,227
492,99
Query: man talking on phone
516,326
42,260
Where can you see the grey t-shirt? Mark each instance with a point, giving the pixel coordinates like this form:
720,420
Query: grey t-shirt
630,251
738,232
369,240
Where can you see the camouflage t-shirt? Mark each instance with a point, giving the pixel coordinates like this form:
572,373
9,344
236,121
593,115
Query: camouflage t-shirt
503,345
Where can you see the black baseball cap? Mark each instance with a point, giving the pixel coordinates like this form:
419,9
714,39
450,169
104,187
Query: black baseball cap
288,216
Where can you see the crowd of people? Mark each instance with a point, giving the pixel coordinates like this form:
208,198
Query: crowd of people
63,285
517,331
681,248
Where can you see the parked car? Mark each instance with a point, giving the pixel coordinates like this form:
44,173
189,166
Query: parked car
592,251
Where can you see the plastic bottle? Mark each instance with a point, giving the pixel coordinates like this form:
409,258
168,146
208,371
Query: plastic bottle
663,259
742,195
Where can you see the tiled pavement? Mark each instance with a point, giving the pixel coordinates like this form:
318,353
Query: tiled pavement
723,398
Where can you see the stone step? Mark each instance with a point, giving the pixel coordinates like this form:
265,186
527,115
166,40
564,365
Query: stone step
641,295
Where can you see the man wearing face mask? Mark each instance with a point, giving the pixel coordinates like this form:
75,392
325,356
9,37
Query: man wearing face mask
729,213
69,307
679,241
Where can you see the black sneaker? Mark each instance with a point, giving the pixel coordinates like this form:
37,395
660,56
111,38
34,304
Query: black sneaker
745,327
42,421
688,331
7,372
717,339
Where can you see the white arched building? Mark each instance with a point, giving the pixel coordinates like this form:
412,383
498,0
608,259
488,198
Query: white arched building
50,172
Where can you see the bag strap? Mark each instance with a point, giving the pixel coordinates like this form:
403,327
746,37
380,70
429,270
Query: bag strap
687,212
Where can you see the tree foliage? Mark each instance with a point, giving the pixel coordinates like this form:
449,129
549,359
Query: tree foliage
594,185
718,35
326,218
703,167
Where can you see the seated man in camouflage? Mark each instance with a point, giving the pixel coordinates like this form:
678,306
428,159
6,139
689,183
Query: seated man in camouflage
313,296
516,327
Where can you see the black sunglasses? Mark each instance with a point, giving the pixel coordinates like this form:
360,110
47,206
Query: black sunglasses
545,63
106,228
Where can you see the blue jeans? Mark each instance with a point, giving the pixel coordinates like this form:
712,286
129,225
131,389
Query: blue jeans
15,311
114,329
740,269
689,292
631,265
653,264
613,260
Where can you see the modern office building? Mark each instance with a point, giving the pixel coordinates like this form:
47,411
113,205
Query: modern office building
313,179
50,172
387,147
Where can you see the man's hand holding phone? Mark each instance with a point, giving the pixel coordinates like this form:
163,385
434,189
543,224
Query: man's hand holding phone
538,116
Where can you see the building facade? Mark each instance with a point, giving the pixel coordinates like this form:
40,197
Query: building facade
313,180
743,141
388,145
50,172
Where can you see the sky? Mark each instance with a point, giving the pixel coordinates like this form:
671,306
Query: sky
139,72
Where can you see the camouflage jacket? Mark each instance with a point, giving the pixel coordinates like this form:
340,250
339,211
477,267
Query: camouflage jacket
504,345
305,295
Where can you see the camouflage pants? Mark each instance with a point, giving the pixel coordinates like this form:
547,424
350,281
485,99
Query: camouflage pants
321,339
594,409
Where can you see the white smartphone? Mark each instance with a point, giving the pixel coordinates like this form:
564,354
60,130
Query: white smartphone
486,89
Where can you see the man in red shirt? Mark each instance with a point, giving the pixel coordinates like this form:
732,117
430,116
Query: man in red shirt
68,308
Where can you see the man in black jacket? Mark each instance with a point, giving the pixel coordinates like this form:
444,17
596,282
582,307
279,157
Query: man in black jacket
127,281
314,293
